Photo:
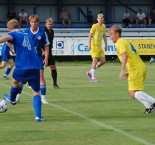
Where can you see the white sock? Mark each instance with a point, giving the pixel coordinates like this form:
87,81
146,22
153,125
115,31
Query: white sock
144,98
92,73
18,98
97,66
43,97
148,98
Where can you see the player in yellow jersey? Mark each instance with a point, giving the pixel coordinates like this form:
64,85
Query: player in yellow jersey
97,33
136,69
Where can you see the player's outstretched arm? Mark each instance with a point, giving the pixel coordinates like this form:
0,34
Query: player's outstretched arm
5,38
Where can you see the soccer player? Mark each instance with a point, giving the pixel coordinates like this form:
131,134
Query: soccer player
6,57
26,66
97,33
136,69
40,40
51,60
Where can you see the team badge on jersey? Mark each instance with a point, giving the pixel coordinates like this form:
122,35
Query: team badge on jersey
39,37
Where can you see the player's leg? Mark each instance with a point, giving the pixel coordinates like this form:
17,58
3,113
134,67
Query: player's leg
37,105
34,82
9,68
54,76
136,85
139,96
18,76
43,87
19,92
93,70
14,90
147,100
101,62
52,65
4,58
3,64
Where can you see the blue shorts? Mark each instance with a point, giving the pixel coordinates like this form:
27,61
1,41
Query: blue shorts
5,56
41,62
32,76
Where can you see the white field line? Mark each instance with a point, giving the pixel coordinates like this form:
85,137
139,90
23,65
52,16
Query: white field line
100,124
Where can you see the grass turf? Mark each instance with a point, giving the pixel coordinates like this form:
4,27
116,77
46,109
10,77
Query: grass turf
80,112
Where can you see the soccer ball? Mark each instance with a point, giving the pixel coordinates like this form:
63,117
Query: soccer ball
3,106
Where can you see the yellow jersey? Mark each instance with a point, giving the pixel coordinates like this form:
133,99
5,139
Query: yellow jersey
133,60
135,66
98,32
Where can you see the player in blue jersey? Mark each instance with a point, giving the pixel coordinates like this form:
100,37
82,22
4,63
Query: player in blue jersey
41,42
6,57
26,66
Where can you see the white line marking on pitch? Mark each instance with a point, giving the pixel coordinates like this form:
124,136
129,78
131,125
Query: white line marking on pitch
102,124
95,121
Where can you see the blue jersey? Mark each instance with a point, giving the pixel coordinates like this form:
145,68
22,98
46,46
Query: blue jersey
5,52
26,57
39,38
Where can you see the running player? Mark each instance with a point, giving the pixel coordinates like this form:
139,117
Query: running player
97,33
51,60
6,57
26,66
40,40
136,69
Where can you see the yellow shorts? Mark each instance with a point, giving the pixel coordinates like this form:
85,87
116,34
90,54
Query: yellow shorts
136,78
97,52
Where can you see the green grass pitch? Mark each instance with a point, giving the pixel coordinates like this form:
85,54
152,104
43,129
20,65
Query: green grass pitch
80,112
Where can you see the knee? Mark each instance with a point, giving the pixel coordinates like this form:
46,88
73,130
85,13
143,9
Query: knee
3,65
132,94
103,62
52,67
11,66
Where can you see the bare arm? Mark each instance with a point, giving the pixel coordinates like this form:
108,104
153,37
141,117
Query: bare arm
124,61
89,41
5,38
46,52
105,42
11,48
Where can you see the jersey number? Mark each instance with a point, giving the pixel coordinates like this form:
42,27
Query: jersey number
133,49
26,42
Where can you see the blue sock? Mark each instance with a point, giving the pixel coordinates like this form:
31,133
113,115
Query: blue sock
20,88
43,90
7,71
13,93
37,105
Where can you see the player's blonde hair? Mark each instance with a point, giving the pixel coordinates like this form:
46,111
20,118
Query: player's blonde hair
49,20
116,28
13,24
34,17
100,15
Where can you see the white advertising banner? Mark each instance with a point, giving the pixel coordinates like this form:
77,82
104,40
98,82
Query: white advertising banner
62,46
77,46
